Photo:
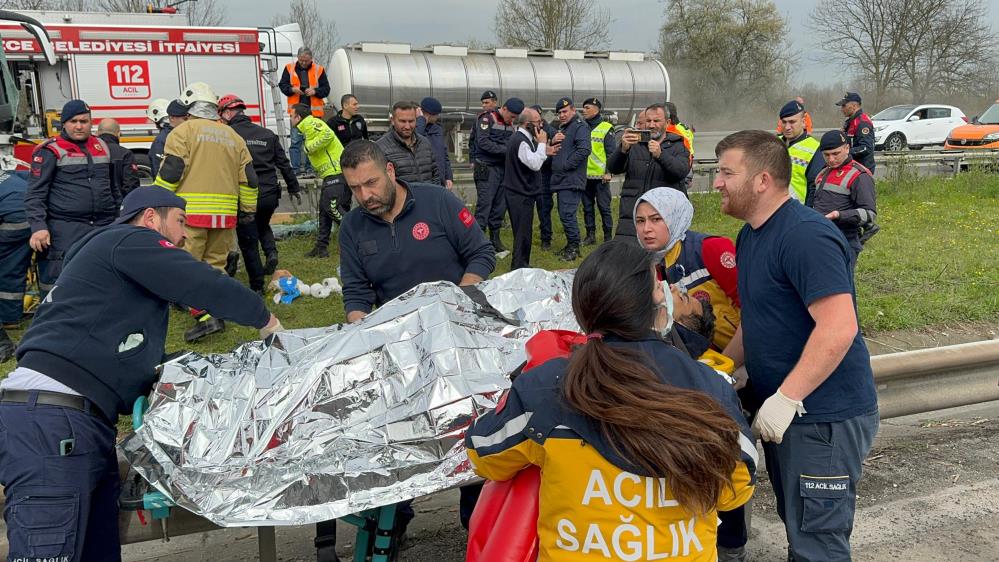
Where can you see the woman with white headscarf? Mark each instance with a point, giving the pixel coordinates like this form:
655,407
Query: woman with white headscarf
700,264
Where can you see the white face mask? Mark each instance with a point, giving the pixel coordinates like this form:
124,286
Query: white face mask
667,304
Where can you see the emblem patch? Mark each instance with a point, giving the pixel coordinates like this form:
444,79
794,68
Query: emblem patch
484,124
421,231
167,244
865,131
466,218
728,260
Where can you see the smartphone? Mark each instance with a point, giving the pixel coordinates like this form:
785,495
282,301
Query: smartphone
645,134
531,128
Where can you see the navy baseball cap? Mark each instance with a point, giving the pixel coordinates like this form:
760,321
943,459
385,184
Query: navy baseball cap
488,95
562,102
848,97
176,109
594,101
790,108
514,105
832,139
431,105
72,109
146,197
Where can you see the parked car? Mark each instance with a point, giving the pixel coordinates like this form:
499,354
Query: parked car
915,126
981,133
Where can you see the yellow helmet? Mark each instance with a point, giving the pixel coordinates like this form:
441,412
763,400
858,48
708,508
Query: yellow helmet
157,110
198,91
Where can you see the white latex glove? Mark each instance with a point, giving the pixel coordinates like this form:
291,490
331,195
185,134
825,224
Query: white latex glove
775,416
271,328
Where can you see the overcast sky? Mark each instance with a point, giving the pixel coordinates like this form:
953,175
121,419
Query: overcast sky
635,26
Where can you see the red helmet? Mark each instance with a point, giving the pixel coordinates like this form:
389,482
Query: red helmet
230,101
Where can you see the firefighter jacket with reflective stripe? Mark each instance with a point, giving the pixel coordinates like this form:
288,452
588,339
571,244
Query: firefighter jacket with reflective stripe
704,265
322,146
317,80
848,189
802,151
596,166
595,504
208,164
71,181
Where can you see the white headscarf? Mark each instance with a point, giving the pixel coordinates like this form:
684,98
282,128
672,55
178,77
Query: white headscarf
675,209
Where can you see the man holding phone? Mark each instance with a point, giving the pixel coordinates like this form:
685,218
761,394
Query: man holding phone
649,158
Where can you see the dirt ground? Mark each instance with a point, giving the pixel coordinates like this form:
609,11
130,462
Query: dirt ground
930,493
964,332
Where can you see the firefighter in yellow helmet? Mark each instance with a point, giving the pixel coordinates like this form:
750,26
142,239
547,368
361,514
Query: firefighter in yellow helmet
209,166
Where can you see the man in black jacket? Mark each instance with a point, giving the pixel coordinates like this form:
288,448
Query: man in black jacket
348,124
268,159
662,161
428,125
410,153
70,191
88,355
124,172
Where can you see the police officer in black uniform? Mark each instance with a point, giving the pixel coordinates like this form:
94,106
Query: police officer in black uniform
91,351
70,191
268,159
859,130
545,202
480,172
494,130
348,124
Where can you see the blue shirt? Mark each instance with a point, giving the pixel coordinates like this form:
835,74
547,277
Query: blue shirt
792,260
434,238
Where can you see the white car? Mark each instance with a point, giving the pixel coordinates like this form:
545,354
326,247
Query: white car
915,126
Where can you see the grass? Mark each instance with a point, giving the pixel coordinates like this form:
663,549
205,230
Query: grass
935,261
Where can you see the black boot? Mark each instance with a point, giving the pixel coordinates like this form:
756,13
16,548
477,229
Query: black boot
271,264
205,326
546,245
569,253
232,264
497,243
318,252
590,239
7,348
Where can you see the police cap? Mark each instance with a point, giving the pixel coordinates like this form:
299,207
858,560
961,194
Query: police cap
72,109
593,101
562,102
176,109
848,97
488,95
790,108
431,105
514,105
148,197
832,139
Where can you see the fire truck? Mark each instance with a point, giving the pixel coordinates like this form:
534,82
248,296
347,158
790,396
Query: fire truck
119,62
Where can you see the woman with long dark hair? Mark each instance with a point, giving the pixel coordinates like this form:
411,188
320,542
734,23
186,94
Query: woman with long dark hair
639,446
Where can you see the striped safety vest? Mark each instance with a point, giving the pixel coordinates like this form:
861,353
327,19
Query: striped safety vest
315,71
687,134
596,166
801,154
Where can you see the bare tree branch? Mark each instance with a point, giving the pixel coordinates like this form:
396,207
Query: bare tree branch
318,32
551,24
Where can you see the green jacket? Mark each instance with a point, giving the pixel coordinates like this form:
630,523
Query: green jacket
322,146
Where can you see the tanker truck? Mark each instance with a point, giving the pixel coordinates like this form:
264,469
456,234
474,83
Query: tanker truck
380,74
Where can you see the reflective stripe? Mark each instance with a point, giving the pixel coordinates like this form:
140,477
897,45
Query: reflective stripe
749,447
864,216
11,296
687,134
315,71
81,160
14,225
165,184
688,280
509,429
247,192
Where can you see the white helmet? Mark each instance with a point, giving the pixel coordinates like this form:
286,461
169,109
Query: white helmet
198,91
157,110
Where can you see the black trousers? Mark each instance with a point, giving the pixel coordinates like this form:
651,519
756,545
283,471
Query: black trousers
521,209
266,205
334,202
249,245
597,195
490,204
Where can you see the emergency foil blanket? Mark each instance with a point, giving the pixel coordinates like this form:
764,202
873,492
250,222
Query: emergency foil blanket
331,421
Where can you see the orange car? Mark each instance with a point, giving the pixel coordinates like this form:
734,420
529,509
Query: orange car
981,133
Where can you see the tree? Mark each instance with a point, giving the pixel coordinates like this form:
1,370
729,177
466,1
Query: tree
318,33
725,52
923,46
551,24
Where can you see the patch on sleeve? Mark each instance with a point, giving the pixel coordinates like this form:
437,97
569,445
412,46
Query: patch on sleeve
484,123
728,260
865,131
167,244
37,159
466,218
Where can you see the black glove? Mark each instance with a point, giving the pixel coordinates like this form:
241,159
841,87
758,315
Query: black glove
245,218
296,196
